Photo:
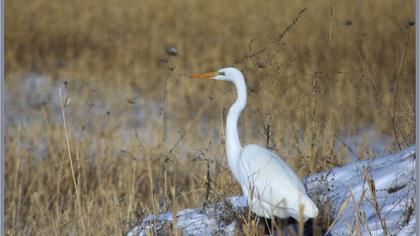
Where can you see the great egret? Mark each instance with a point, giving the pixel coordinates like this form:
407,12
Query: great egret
272,188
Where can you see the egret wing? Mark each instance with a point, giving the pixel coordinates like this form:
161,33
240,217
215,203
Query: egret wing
271,182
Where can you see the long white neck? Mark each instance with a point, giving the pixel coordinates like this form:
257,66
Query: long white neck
233,144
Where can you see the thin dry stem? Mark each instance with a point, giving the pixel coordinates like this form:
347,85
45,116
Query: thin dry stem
76,189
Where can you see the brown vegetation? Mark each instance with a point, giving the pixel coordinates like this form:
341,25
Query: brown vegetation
315,71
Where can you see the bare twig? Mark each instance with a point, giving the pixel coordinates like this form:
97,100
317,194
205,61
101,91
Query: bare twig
374,202
280,37
340,212
208,182
394,94
63,104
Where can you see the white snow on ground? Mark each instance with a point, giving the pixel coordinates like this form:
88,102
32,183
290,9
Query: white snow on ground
343,187
214,219
394,178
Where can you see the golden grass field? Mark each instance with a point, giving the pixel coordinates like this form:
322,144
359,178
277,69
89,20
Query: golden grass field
140,137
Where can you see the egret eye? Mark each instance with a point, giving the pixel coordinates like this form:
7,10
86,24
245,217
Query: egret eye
222,73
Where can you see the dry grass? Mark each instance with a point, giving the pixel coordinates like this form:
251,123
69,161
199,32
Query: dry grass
339,68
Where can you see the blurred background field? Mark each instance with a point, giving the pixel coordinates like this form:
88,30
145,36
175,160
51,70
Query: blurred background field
329,82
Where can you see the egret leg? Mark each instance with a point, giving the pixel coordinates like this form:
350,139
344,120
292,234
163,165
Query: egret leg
286,227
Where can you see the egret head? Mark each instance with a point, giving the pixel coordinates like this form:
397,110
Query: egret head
227,74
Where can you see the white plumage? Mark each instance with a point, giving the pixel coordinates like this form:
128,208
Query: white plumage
273,189
271,186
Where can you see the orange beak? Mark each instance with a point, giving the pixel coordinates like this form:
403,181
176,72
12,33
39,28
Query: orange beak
204,76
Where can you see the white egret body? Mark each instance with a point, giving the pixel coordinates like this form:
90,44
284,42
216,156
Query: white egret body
272,188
